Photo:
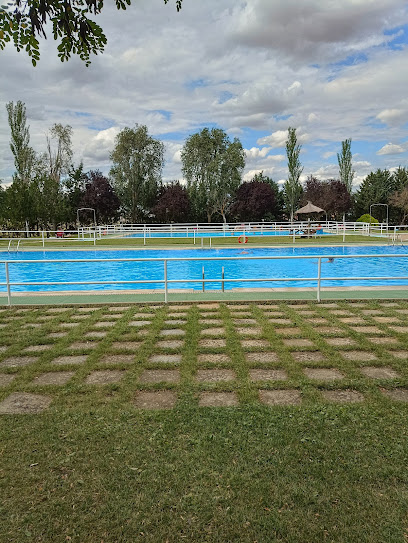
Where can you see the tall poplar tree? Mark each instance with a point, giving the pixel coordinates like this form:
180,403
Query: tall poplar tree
292,187
136,172
346,171
24,155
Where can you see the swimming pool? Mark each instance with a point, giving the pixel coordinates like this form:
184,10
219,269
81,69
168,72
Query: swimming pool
267,231
242,269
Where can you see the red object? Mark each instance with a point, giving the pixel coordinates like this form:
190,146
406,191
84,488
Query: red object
60,234
242,239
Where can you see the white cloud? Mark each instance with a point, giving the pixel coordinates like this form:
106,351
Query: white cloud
256,152
392,149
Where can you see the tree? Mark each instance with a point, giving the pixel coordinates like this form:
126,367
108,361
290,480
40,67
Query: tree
376,188
73,187
399,200
24,155
293,188
277,212
100,195
346,171
136,172
22,22
212,166
59,151
253,201
173,204
331,195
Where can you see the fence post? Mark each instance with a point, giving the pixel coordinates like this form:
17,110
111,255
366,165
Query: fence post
165,282
203,280
319,276
222,279
8,284
210,243
194,238
144,235
202,243
94,237
43,241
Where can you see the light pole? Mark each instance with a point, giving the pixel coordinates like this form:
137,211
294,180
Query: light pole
372,205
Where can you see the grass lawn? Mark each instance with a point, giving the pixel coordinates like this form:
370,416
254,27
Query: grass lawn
161,243
205,423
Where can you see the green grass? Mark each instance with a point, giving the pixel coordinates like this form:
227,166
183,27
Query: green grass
189,242
94,468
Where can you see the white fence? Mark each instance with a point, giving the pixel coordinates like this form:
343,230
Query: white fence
318,280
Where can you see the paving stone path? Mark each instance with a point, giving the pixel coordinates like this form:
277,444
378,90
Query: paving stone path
212,354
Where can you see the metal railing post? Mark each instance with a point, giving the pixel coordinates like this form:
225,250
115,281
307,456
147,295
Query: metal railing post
319,277
165,282
203,280
43,240
8,284
222,279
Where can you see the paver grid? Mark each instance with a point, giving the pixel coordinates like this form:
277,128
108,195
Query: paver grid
217,355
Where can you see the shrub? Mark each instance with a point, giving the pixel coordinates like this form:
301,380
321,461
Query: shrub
367,218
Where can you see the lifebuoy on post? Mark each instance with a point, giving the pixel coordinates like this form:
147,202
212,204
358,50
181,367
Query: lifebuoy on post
242,239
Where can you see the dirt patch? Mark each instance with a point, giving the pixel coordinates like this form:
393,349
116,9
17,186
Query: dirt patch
23,403
75,360
371,311
280,321
218,399
298,342
213,358
367,329
306,356
383,340
403,355
255,344
359,355
249,331
6,379
159,376
353,320
127,345
386,319
210,322
340,341
180,322
173,332
323,374
212,343
118,359
104,377
399,329
280,397
318,321
37,348
139,323
83,345
209,307
214,376
17,361
241,322
57,335
343,396
398,394
402,311
165,359
53,378
178,315
267,375
159,399
383,372
96,334
105,324
339,312
170,344
69,324
288,331
330,330
213,332
261,358
238,307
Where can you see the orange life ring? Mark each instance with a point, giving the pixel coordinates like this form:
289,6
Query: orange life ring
242,239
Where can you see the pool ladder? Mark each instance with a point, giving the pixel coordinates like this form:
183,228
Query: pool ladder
10,245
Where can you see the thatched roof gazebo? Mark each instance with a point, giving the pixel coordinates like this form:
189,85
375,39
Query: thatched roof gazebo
310,208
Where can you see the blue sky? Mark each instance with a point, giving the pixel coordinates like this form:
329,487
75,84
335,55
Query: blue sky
332,70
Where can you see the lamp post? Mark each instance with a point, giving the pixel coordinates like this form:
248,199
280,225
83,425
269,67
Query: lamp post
372,205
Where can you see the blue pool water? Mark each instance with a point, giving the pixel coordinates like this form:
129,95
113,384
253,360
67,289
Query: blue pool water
236,233
181,270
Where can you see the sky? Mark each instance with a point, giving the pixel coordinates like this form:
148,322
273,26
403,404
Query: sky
332,70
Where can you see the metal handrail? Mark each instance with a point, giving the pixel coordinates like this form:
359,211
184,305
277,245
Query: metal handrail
166,281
